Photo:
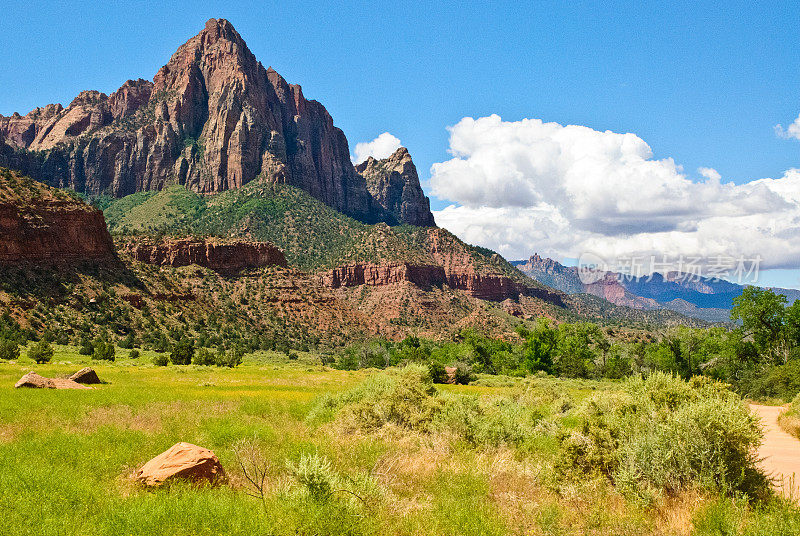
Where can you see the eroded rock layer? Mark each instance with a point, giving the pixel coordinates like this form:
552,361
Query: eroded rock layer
224,257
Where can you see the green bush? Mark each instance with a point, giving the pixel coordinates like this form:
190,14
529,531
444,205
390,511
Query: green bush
437,372
231,358
407,398
293,356
134,353
666,435
463,374
9,350
160,360
182,352
41,352
104,351
204,357
86,348
709,443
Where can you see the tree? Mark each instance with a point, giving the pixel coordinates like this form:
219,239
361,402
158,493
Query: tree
182,352
540,343
41,352
9,349
762,314
575,351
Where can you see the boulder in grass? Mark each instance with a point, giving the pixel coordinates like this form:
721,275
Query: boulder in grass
35,381
182,461
85,375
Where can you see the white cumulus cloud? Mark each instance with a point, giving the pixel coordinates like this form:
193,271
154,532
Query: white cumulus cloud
792,131
525,186
381,147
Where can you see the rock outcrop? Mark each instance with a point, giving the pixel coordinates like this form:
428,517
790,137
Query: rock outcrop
42,225
452,264
220,256
393,182
85,376
182,461
213,119
377,275
35,381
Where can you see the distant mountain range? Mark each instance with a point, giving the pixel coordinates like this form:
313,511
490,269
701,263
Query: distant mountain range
698,297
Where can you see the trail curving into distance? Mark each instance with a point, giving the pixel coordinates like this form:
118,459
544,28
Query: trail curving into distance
780,452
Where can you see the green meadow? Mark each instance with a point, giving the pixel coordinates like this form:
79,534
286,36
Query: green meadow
341,452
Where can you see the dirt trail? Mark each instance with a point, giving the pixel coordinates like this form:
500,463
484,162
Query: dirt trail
780,451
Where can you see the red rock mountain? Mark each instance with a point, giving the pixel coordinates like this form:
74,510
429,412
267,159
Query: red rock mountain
212,119
42,225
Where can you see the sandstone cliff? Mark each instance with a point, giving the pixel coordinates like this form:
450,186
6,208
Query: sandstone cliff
394,184
451,263
42,225
220,256
212,119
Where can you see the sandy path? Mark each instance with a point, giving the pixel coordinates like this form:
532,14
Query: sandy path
781,452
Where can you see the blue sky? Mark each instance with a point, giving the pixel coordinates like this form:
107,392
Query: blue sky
701,82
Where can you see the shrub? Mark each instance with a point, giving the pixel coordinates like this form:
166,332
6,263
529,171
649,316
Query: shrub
437,372
293,356
182,352
709,443
9,350
666,435
407,399
204,357
128,342
316,475
104,351
134,353
232,358
86,348
160,360
463,374
41,352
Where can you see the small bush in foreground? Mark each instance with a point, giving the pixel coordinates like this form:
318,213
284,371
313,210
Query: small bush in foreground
160,360
134,354
666,435
41,352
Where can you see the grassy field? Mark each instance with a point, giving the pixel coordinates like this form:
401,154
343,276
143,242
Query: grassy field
66,458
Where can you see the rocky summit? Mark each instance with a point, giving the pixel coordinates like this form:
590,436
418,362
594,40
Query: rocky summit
394,184
213,119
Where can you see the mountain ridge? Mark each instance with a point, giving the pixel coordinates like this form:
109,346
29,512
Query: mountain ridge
212,119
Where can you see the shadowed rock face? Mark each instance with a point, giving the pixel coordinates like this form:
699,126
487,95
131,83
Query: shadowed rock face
212,119
393,182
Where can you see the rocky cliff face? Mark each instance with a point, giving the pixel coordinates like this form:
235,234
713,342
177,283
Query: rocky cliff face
377,275
41,225
451,265
212,119
223,257
394,184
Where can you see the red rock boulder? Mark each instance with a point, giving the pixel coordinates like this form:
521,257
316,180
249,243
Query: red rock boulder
182,461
